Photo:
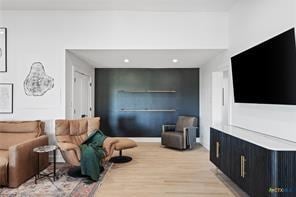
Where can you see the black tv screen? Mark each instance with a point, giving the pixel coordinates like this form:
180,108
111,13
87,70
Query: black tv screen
266,73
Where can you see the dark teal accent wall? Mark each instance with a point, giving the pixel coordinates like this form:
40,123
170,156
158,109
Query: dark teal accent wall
112,96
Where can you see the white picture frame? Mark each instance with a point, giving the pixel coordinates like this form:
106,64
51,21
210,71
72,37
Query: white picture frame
3,49
6,98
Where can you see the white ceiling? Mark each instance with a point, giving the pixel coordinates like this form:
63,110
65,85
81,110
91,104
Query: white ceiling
131,5
146,58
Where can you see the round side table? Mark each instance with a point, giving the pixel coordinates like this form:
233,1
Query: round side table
46,149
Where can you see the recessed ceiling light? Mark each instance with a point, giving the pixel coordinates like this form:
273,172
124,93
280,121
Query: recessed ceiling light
126,61
1,32
175,60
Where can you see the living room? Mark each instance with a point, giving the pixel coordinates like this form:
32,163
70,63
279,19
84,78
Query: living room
139,65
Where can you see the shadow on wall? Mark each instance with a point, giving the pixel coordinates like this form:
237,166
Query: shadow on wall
130,124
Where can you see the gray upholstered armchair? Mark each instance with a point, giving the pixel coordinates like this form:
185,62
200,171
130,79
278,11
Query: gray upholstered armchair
182,135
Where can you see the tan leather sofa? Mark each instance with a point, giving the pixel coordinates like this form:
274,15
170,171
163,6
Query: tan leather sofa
71,133
18,162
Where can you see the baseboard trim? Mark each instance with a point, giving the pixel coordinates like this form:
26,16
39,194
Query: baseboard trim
151,139
145,139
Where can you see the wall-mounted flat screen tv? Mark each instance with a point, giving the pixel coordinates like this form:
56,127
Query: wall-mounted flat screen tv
266,73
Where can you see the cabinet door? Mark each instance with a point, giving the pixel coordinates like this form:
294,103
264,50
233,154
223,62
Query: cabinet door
286,172
259,171
220,148
215,143
240,163
225,152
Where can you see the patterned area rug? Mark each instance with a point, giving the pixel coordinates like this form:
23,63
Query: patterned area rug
64,186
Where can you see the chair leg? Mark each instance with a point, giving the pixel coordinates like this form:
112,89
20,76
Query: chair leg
120,158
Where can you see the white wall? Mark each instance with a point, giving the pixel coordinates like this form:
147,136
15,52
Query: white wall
217,85
45,35
252,22
262,20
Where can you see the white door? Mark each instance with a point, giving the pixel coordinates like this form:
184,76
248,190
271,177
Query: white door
220,98
82,95
225,98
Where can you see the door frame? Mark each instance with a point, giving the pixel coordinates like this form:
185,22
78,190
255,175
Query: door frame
228,97
75,69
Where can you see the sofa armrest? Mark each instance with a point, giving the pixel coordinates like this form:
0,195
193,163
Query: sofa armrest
166,128
64,147
23,161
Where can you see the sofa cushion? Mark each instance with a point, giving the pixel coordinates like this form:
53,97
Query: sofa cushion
21,127
64,138
93,124
173,139
76,127
62,127
3,167
75,131
10,139
78,139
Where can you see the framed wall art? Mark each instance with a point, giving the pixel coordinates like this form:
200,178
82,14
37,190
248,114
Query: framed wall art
3,49
6,98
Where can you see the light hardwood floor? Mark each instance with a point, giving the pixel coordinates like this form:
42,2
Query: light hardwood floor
158,171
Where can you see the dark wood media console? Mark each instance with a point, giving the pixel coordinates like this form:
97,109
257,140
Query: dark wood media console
259,164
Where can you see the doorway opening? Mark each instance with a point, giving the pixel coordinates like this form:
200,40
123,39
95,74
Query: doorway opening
81,95
79,87
220,98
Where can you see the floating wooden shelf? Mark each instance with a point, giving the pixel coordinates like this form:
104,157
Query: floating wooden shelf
148,110
148,91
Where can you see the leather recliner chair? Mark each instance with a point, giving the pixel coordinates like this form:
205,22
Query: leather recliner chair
71,133
182,135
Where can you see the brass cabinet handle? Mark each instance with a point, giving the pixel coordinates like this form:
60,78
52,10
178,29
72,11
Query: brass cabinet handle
241,166
244,169
217,149
243,161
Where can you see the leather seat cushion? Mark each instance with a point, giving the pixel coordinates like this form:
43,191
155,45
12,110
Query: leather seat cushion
67,146
124,143
173,139
172,134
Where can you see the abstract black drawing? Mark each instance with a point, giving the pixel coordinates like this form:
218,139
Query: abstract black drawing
3,46
37,83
